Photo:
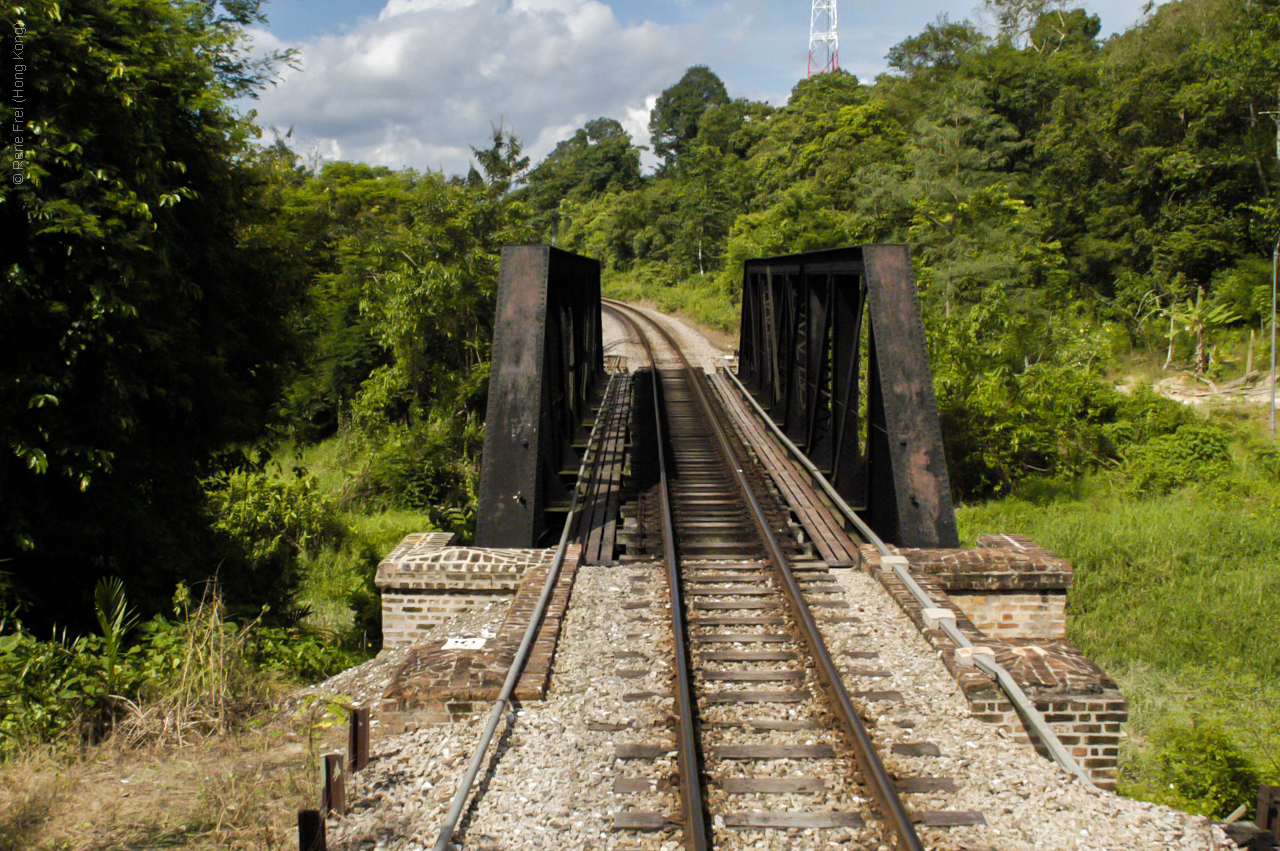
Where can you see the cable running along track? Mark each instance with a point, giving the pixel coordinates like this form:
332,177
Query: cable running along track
737,601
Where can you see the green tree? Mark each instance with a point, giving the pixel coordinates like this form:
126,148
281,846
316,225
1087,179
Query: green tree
1016,19
677,115
340,216
1061,29
1200,318
499,166
1167,167
143,330
938,48
598,159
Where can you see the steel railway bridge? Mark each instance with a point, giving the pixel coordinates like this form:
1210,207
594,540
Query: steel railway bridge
734,503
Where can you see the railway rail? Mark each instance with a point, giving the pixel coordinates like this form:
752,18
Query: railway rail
757,691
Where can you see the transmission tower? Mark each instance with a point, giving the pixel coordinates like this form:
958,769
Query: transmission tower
824,41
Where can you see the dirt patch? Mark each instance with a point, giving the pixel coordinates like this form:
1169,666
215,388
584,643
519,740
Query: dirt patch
723,341
694,340
239,791
1252,389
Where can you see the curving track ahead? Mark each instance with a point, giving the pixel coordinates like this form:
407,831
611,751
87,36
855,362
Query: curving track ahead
735,589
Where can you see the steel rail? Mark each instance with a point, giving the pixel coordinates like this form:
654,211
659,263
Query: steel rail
697,836
460,797
872,768
1022,704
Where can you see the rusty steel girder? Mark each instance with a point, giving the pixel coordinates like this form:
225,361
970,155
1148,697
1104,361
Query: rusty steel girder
833,347
547,361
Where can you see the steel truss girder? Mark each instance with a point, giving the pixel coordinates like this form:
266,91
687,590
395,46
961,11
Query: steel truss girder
832,345
546,364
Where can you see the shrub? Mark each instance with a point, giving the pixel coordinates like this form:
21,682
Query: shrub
50,689
432,466
271,524
1143,414
1003,427
1203,770
1266,457
1193,453
299,655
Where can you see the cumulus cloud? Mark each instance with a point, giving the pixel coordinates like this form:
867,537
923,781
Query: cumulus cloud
426,79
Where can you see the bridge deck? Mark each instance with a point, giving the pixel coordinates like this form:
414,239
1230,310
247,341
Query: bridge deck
824,527
599,532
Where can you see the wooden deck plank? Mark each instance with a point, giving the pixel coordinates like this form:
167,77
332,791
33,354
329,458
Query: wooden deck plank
753,676
774,751
788,819
825,528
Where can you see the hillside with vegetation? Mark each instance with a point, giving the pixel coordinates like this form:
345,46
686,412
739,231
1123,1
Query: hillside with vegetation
231,379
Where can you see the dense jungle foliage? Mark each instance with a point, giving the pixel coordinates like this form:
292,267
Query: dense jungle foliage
1065,200
222,367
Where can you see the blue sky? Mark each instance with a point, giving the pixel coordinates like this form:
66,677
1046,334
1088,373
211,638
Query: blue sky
417,82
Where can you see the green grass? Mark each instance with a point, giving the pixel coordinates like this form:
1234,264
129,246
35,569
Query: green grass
702,299
1176,597
1166,581
385,529
331,462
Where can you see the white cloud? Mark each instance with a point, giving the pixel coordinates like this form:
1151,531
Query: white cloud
426,80
636,122
400,7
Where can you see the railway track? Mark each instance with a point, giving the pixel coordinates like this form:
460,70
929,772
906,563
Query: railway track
729,726
767,737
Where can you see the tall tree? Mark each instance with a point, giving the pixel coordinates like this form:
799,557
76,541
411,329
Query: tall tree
938,48
142,327
677,115
597,159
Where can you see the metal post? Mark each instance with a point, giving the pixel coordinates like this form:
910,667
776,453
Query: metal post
358,739
333,792
311,831
1275,260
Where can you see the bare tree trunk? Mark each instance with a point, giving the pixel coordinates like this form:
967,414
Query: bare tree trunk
1248,360
1202,365
1169,357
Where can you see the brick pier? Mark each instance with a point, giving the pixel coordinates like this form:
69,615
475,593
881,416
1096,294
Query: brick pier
1010,594
425,582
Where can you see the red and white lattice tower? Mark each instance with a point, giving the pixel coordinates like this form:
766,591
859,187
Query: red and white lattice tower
824,42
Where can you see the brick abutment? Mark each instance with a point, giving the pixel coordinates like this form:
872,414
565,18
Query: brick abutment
1009,594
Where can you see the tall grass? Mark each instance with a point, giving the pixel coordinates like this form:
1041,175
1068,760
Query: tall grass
703,299
212,685
1169,582
1175,596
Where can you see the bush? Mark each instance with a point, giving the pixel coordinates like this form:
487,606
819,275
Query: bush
1001,427
433,466
271,524
1198,768
1143,414
1266,458
50,689
1192,454
198,674
299,655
